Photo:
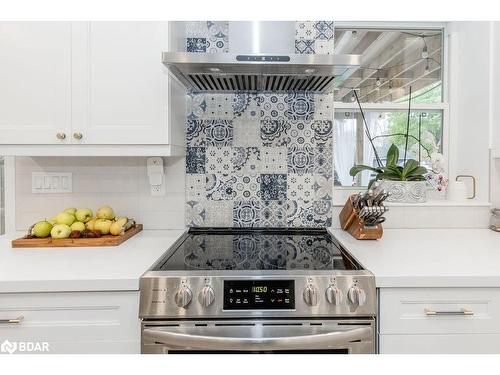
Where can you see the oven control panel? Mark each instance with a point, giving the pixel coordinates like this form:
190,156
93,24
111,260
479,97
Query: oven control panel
259,295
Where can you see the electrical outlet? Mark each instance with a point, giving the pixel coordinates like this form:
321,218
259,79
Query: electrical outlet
158,190
42,182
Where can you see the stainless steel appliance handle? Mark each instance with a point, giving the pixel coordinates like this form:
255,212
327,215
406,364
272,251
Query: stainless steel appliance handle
17,320
466,312
324,340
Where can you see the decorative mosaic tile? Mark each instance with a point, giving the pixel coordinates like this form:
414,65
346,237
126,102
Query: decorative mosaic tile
219,214
218,36
300,159
300,106
220,106
273,106
219,133
323,186
247,186
220,187
323,131
273,214
299,133
273,132
195,214
196,45
324,47
305,30
246,133
273,186
196,106
323,107
195,133
246,105
273,160
324,30
246,213
305,46
313,213
300,186
196,29
219,160
246,159
195,187
195,160
323,159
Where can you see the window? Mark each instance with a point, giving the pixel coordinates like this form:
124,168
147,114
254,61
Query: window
393,61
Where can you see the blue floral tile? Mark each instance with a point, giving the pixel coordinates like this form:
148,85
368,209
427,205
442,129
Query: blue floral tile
273,106
247,186
219,133
323,107
304,46
195,133
273,186
196,45
195,160
323,131
299,133
300,106
273,214
246,213
218,37
246,105
273,132
300,159
301,186
246,159
305,30
313,213
195,214
196,106
220,106
220,187
323,186
195,187
324,30
273,160
219,160
323,159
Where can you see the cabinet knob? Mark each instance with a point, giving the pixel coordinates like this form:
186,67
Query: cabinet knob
77,135
61,136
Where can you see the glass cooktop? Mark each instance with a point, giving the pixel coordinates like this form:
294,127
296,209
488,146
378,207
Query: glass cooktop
256,249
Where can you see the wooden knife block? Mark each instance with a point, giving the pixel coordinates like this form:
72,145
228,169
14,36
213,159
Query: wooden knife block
350,222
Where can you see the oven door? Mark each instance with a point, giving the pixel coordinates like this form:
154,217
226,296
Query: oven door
273,336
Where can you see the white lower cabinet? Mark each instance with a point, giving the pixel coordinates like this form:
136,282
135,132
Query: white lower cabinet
439,320
79,322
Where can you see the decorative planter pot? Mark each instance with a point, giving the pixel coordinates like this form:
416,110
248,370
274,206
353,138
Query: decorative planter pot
405,191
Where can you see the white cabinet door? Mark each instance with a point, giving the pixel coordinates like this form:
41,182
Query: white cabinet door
35,82
120,89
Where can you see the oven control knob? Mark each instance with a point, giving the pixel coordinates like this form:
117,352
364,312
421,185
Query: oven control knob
334,295
310,295
206,296
183,296
357,295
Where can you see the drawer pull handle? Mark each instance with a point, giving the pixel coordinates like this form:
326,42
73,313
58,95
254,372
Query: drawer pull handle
429,312
17,320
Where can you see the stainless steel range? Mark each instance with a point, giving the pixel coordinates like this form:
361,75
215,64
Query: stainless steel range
257,290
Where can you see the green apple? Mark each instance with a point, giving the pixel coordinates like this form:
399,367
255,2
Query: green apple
78,225
52,221
105,212
70,210
60,231
41,229
65,218
103,225
83,214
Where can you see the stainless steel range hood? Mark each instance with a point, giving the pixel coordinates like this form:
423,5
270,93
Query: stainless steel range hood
259,60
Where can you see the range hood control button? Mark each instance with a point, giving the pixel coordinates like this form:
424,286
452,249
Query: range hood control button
183,296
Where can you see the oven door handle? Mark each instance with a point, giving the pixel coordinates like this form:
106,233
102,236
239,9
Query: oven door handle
333,339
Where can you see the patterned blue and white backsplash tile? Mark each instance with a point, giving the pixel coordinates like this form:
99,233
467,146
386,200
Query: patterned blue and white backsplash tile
259,160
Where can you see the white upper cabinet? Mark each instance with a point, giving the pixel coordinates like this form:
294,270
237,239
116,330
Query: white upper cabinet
496,90
99,85
35,82
120,91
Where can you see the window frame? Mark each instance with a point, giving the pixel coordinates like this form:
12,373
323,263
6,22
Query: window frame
443,106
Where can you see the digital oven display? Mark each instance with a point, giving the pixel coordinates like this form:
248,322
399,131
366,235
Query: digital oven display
259,295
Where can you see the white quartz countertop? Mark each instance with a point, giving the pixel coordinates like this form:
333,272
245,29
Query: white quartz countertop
81,268
408,258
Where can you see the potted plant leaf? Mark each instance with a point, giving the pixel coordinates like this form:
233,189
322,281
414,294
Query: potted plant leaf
406,183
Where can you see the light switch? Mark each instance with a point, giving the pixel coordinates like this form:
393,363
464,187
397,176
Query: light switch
46,183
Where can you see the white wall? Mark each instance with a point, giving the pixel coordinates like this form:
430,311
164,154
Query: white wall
495,121
119,182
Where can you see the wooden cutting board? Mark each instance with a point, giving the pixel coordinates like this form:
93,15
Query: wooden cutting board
106,240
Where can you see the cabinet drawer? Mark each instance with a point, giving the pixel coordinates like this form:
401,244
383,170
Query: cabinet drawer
83,319
439,310
440,344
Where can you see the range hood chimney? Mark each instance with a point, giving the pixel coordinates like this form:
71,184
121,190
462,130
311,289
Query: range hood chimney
261,58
